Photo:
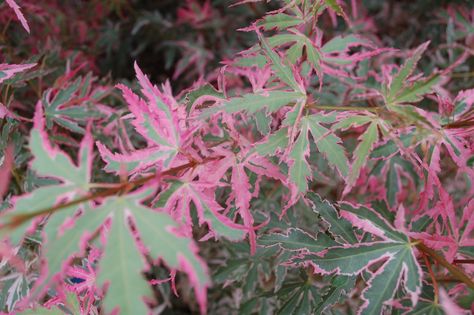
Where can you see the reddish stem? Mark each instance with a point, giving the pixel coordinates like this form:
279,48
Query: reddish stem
433,278
463,261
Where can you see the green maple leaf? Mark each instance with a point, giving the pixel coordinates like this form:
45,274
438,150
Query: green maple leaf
395,251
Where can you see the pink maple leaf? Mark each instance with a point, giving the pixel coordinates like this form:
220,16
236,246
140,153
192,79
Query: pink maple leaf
16,8
9,70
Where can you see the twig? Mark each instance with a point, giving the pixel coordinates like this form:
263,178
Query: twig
455,271
463,261
126,186
342,108
433,278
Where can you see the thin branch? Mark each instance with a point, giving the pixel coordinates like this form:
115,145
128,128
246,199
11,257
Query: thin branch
455,271
343,108
463,261
446,279
433,278
126,186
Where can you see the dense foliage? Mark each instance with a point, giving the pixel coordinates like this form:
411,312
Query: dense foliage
237,157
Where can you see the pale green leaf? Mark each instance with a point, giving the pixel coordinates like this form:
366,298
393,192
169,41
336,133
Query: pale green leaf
329,145
352,121
279,21
282,68
298,240
276,141
414,92
399,80
121,266
361,153
251,103
340,43
153,226
299,169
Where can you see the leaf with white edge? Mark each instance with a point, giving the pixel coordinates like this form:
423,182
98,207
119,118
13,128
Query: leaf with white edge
282,39
329,145
415,92
299,167
177,252
385,282
301,301
279,21
300,40
298,240
370,221
395,249
338,226
60,247
340,286
258,61
362,152
55,109
391,147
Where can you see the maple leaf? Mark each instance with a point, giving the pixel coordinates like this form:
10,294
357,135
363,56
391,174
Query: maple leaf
157,120
176,200
327,144
330,58
62,108
264,99
395,249
122,263
368,139
296,241
73,179
401,90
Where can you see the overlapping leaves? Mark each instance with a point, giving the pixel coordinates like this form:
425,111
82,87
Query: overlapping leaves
122,264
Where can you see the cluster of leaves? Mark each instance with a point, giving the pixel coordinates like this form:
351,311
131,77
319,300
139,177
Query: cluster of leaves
324,167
